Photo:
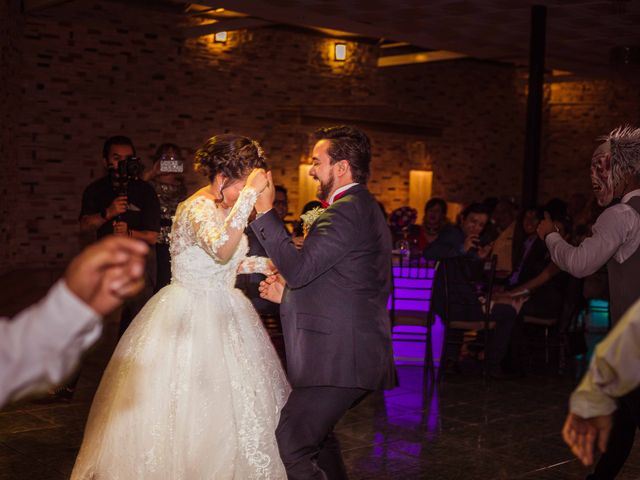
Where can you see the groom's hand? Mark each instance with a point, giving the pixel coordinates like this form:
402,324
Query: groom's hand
266,197
272,288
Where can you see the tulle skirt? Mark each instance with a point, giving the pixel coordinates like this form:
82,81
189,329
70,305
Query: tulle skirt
193,391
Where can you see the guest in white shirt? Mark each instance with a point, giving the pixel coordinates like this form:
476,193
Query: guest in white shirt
614,372
615,174
41,345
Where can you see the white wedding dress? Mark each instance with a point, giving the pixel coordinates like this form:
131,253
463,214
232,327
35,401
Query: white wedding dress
194,389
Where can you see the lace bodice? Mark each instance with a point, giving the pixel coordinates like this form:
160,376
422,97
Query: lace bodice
208,247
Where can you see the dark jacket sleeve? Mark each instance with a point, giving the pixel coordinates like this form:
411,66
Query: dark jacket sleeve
332,237
449,244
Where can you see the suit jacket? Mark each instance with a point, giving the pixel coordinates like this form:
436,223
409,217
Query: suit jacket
334,313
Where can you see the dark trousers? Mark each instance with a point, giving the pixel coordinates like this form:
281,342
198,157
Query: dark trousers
626,419
308,447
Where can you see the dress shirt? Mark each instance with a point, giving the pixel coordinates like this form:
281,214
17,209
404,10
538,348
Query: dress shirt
614,370
339,191
41,345
616,234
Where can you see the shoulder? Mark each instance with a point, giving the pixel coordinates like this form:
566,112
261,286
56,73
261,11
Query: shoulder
618,216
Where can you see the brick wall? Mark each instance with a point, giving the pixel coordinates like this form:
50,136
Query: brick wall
577,114
93,69
10,30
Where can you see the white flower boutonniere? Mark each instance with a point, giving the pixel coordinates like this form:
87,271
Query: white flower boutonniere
309,218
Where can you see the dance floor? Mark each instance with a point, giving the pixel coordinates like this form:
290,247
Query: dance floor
460,430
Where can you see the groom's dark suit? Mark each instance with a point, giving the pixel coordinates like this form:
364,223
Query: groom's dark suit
335,323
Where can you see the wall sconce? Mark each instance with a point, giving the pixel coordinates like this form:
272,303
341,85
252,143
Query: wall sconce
420,182
340,52
220,37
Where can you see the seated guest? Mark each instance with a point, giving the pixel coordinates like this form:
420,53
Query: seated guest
281,204
435,219
535,277
535,273
465,242
404,231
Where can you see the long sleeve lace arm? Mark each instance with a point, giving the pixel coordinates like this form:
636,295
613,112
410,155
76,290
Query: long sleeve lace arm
255,265
220,239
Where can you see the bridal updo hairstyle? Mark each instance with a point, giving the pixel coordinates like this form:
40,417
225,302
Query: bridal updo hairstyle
234,156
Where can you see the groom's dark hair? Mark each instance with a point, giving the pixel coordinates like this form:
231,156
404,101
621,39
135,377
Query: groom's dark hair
350,144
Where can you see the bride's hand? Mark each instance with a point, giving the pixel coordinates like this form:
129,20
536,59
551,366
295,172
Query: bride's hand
272,288
258,179
267,197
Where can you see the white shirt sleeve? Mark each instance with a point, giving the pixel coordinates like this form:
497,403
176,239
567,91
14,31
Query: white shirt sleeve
41,345
610,231
614,370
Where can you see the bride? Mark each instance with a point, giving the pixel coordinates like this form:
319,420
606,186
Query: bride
194,389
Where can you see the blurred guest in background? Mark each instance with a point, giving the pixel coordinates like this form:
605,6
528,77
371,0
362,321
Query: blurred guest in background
435,219
167,178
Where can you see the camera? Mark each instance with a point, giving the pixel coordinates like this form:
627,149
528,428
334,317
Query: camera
128,169
171,164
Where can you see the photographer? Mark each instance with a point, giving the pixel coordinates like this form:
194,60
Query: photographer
122,204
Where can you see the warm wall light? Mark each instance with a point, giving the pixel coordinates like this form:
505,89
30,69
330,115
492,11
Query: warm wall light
420,182
220,37
340,52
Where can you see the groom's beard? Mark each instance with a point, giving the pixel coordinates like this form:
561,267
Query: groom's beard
324,189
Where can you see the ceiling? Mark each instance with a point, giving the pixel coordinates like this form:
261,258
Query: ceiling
580,34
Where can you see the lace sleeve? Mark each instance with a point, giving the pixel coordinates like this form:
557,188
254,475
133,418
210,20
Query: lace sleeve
255,265
220,239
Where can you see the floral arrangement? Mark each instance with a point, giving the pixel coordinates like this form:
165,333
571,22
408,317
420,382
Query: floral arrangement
309,218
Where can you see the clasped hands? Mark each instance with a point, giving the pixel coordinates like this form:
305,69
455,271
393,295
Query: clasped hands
262,182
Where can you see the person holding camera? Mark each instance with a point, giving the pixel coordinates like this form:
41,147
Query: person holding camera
166,178
121,203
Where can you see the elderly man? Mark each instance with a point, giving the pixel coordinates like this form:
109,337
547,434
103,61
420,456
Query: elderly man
615,174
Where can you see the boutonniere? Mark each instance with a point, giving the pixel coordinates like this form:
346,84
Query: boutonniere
309,218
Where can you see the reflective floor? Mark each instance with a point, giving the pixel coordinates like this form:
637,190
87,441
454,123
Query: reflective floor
507,429
460,430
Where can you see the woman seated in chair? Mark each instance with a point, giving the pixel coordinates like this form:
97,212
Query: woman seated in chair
462,249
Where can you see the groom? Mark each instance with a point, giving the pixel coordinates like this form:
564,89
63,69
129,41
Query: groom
334,312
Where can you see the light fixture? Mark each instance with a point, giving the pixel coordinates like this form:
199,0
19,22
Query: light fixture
340,52
220,37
